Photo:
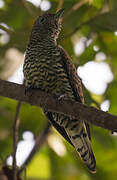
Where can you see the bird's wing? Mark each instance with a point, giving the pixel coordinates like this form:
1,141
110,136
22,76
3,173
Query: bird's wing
60,129
74,80
77,90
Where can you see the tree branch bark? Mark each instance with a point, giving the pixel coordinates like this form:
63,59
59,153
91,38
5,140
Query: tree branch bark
6,30
15,139
47,101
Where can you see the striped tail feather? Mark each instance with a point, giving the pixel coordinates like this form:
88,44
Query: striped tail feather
79,137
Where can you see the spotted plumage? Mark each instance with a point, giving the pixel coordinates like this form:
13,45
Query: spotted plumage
48,67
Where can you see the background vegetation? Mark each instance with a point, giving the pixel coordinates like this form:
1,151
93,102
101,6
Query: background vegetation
96,20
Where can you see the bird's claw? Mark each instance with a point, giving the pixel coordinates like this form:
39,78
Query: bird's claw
27,90
62,97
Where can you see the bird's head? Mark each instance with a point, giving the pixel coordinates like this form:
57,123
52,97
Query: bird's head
48,25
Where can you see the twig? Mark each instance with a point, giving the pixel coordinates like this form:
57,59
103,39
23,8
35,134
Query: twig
92,20
60,4
69,108
78,5
76,29
15,139
38,144
30,11
75,7
6,29
80,26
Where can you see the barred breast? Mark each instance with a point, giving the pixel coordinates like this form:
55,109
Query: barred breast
47,73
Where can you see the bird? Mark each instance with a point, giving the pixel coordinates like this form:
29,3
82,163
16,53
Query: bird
48,67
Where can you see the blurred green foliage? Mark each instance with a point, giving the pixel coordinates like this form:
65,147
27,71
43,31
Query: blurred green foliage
96,20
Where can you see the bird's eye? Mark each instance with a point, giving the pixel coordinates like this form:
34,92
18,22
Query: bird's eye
42,19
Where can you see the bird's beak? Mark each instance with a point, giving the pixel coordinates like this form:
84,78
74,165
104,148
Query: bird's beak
59,13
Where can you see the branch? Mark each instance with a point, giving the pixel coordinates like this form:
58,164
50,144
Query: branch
60,4
27,7
88,22
76,7
38,144
76,29
6,29
69,108
10,31
15,139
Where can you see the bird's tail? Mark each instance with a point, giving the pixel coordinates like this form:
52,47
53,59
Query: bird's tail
79,137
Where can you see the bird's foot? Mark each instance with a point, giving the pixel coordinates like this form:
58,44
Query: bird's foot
27,90
63,97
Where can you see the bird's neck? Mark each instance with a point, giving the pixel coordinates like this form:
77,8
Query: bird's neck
47,42
44,44
44,41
